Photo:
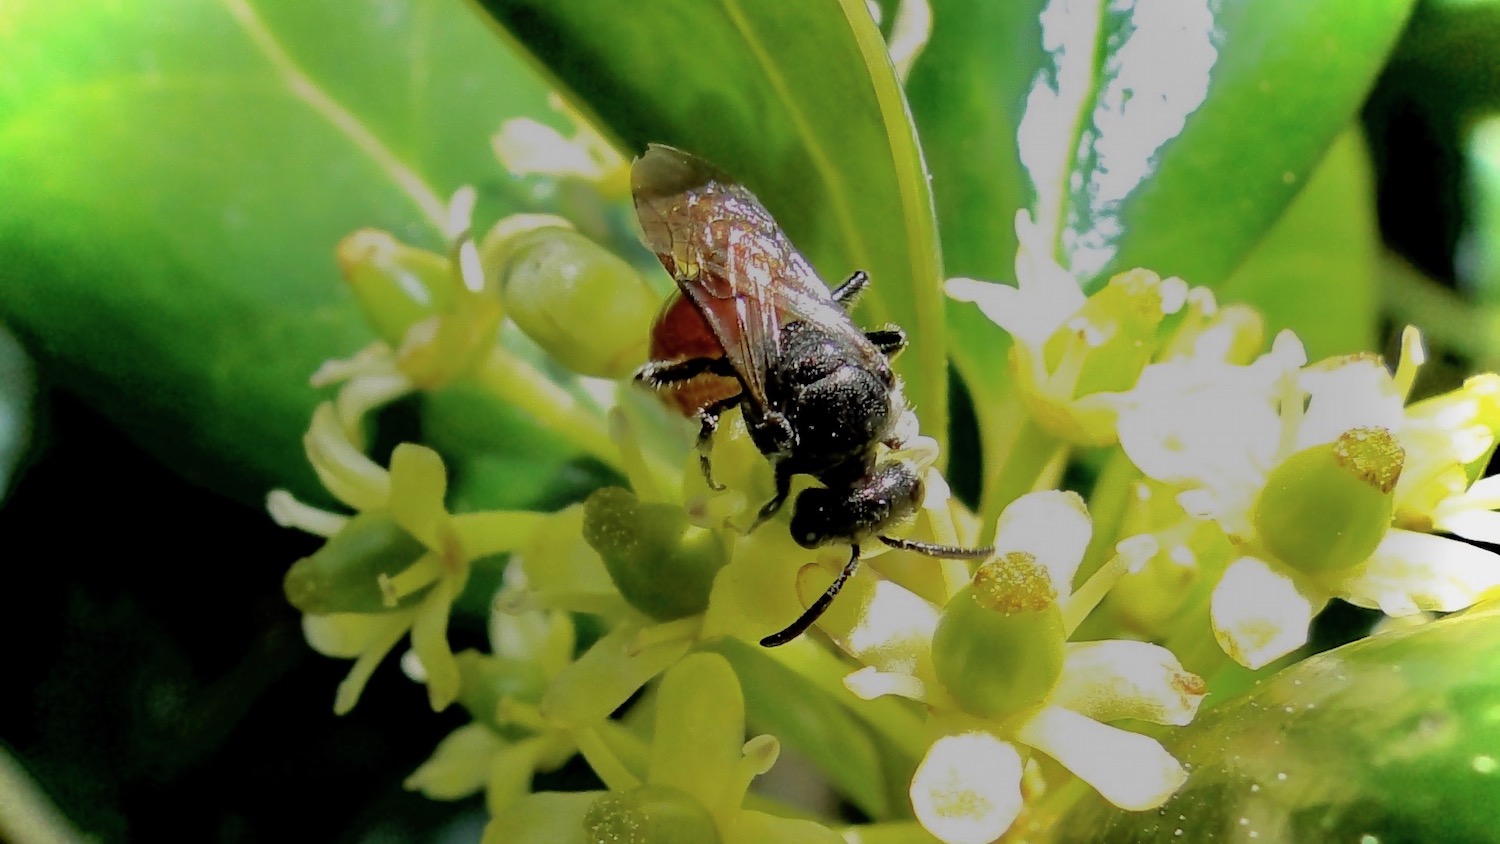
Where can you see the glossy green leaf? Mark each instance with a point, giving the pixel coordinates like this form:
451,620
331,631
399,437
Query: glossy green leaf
1314,271
798,101
176,177
967,96
1393,738
1176,135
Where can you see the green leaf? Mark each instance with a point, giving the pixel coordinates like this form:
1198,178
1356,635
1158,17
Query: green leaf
796,100
1174,140
1481,250
176,178
778,702
17,390
1393,738
1319,259
967,95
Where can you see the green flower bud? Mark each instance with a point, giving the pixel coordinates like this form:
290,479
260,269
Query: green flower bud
396,285
1124,317
649,814
487,680
345,575
663,564
999,645
1326,507
582,303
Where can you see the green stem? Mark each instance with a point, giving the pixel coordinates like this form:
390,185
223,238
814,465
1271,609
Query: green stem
1443,315
519,383
1016,468
1108,503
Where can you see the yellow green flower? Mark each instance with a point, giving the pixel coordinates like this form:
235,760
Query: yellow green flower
697,772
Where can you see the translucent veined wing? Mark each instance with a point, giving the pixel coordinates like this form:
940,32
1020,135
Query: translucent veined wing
731,260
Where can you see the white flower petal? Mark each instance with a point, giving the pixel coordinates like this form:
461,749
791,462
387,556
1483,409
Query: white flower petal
1127,769
968,788
1352,392
1418,571
1117,679
869,683
1258,613
1479,525
525,146
1053,527
894,631
1201,421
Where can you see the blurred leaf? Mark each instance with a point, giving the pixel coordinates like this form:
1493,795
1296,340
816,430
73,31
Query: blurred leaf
176,177
1393,738
1199,124
1479,253
1320,259
796,100
17,390
778,702
1450,55
967,93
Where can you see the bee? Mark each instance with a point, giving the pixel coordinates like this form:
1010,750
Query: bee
754,327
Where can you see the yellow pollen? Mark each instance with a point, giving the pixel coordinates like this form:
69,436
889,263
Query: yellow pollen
1372,455
1013,583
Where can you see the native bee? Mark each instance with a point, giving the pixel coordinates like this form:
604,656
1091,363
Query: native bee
754,327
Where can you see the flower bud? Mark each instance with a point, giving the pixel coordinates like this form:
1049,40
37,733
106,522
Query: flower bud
396,285
649,814
582,303
661,563
1327,507
487,680
999,645
345,575
1118,324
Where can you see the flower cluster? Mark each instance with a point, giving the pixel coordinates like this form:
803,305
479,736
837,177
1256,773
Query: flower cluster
1246,489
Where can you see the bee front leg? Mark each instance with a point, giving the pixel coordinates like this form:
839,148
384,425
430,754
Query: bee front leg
783,489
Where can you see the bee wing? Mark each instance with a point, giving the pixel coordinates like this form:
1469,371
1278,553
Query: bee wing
732,261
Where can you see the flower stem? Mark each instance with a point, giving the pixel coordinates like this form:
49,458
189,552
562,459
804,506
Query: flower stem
518,382
604,761
1025,461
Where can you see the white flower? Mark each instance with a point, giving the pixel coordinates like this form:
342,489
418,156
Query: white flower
1070,351
1217,432
968,787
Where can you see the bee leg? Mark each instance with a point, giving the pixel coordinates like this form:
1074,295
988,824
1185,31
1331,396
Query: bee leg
846,294
889,340
708,418
820,606
946,552
658,374
783,489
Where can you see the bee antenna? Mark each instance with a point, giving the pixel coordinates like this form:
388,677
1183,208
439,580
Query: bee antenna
947,552
820,606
